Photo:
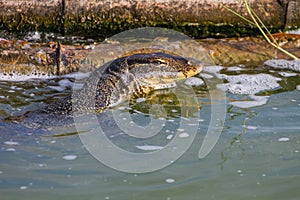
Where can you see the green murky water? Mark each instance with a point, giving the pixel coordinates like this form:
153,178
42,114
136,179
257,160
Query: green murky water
256,157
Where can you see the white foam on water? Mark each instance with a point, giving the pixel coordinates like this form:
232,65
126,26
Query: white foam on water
169,137
10,149
121,108
212,69
183,135
206,76
62,85
287,74
69,157
200,120
234,69
66,83
139,100
250,127
297,31
57,88
170,180
149,147
257,101
33,36
23,187
15,77
21,77
77,75
249,84
194,81
293,65
284,139
11,143
298,87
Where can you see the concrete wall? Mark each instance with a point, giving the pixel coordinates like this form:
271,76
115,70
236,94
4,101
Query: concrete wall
198,18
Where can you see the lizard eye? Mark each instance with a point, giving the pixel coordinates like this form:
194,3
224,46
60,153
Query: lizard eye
159,61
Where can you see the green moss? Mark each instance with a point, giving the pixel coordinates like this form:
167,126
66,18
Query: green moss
95,27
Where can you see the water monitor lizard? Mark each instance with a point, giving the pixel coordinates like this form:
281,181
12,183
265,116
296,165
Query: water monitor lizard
128,76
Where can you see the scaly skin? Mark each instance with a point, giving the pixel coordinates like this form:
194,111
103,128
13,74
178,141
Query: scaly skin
125,77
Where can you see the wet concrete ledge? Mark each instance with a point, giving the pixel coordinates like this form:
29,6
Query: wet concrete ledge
27,58
197,18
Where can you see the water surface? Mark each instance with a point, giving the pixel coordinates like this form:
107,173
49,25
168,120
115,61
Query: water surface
256,157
